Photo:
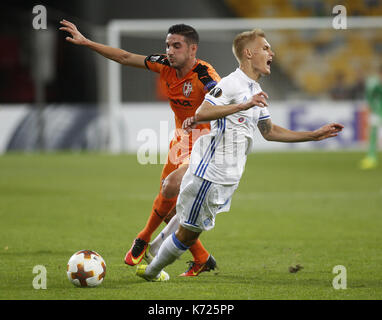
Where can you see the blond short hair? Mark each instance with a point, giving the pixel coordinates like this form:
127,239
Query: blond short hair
242,39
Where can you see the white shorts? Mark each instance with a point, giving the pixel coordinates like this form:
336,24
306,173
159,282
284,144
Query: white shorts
200,200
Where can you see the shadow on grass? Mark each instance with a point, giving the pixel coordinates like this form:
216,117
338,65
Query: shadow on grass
291,281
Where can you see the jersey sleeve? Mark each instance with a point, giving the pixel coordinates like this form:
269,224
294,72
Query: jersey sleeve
156,62
264,114
221,94
207,76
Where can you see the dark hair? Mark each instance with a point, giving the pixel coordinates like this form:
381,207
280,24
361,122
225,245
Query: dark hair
189,33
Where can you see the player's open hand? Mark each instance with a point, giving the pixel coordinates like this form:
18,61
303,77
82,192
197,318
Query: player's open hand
189,124
258,99
77,37
327,131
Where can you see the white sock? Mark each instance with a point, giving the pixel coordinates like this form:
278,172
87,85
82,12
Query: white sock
169,251
171,227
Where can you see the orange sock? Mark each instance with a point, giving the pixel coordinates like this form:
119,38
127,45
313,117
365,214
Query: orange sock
199,253
161,207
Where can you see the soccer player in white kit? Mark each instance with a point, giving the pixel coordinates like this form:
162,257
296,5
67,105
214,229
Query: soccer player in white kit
235,107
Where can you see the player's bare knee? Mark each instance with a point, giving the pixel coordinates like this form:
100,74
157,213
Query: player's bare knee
170,187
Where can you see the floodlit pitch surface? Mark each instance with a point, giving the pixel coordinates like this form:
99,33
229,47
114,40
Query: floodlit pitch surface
314,209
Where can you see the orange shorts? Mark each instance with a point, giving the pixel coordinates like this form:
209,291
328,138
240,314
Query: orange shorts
178,155
180,150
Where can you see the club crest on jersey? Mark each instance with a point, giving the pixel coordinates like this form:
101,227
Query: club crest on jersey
187,88
241,119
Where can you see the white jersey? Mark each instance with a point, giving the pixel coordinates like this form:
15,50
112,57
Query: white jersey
220,156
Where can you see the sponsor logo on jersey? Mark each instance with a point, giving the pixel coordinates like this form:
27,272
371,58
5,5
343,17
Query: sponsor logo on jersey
216,92
184,103
187,88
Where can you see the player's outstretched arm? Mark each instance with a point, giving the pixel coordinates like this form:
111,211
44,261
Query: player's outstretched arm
273,132
208,112
116,54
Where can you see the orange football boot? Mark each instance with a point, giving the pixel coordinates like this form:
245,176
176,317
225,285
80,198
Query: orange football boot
195,268
136,253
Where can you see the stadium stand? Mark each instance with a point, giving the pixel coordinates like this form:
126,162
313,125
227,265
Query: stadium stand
315,66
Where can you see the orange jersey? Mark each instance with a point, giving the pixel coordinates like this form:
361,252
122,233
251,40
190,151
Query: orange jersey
185,95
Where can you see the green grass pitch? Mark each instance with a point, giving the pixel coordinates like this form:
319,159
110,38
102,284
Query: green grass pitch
317,209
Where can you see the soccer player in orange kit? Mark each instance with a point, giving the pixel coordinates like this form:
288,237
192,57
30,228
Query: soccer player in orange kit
187,80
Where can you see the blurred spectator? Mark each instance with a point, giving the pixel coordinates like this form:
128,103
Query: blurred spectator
16,83
371,3
340,91
357,90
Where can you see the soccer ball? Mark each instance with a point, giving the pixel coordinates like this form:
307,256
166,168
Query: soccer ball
86,268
